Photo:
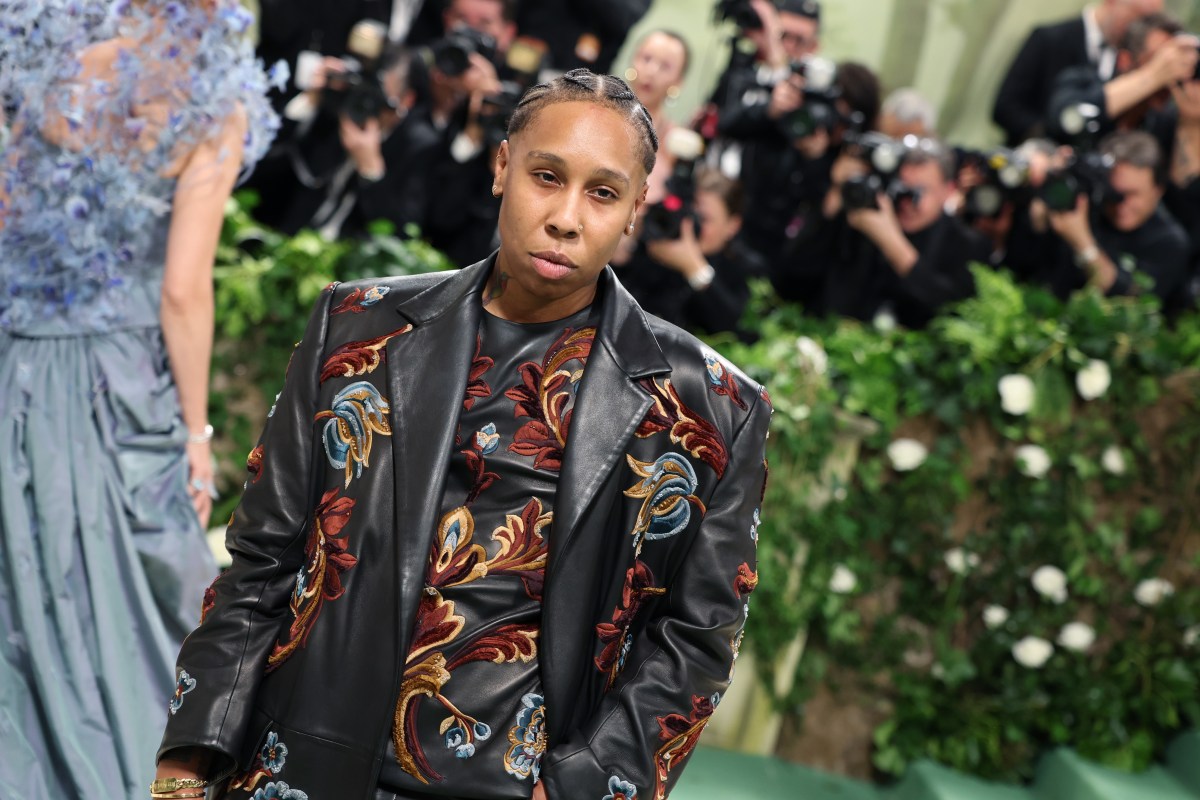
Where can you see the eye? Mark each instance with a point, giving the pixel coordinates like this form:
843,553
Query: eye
542,176
604,193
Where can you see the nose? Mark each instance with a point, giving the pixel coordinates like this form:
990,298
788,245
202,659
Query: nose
565,219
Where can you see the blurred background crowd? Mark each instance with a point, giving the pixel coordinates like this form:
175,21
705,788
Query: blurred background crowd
817,174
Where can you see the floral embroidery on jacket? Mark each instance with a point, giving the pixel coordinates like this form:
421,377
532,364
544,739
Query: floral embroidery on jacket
360,300
527,739
278,790
721,380
667,490
358,358
267,763
476,386
210,599
686,427
620,789
358,412
616,636
746,580
184,683
680,735
254,463
547,396
319,580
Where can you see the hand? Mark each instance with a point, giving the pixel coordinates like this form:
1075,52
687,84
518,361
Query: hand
847,167
480,76
771,43
1187,100
1175,60
877,224
200,479
786,97
1073,226
683,254
539,792
365,144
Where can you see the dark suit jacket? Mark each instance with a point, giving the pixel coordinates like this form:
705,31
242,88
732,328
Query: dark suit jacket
652,552
1023,97
561,23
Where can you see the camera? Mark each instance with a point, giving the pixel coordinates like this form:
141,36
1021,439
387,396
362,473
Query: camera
1085,175
452,54
884,155
495,111
357,91
664,219
819,111
1004,173
740,12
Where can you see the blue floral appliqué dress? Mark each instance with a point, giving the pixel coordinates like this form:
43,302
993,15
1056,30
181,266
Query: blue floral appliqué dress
102,560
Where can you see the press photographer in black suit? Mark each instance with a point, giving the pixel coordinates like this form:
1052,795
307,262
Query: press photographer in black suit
1090,40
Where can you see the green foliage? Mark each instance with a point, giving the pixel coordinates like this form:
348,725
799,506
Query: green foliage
266,284
887,572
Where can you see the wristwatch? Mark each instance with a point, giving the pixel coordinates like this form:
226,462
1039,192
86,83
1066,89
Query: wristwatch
702,279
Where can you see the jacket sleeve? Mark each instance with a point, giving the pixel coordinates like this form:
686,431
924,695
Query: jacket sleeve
223,660
678,669
1017,109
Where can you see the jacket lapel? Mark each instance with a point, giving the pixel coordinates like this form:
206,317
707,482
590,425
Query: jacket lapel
607,412
427,374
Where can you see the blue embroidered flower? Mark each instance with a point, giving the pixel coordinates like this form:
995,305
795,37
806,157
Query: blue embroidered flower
278,790
667,490
301,582
620,789
527,739
486,439
184,684
374,295
273,754
754,528
359,412
716,370
463,745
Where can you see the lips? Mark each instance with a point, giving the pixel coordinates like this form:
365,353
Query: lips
552,264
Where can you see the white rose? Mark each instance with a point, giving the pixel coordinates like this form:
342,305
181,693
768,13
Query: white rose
1153,591
1016,394
959,561
1032,652
906,454
1077,636
1033,460
1113,460
1050,582
1191,636
843,581
884,322
994,616
1093,380
812,355
938,671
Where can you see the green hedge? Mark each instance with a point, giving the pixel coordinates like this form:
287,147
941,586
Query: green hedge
940,514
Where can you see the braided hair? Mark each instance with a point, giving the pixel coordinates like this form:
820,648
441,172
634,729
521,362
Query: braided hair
584,85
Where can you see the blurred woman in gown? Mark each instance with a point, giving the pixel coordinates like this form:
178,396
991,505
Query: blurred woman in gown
129,125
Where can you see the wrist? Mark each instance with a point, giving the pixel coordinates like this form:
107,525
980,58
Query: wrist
701,278
203,435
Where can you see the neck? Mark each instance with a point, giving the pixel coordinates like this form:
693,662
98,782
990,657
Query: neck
1104,22
505,298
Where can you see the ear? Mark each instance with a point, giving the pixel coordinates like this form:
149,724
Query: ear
501,167
641,199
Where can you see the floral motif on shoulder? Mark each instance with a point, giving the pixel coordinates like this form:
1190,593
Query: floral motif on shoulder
358,412
184,683
669,413
721,380
353,359
360,300
209,600
527,739
667,489
620,789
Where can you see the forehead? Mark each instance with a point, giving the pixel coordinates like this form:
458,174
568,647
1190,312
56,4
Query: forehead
1130,175
587,136
798,23
925,172
476,9
663,46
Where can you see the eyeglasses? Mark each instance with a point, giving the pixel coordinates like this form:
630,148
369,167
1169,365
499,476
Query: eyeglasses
798,39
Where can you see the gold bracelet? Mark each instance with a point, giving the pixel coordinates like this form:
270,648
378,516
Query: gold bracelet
173,796
173,784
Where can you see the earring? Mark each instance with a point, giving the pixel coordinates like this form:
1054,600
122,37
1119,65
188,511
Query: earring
629,229
672,93
496,191
631,74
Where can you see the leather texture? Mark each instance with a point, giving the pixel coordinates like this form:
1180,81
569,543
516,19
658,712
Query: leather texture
295,671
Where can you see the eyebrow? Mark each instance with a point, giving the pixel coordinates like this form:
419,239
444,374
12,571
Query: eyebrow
603,172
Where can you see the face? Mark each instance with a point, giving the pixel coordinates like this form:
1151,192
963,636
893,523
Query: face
717,225
485,16
935,191
890,125
575,164
659,61
1154,40
800,35
1122,13
1142,196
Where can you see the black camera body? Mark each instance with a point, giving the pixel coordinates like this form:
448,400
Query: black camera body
451,55
885,155
819,111
1085,175
1005,176
663,221
740,12
355,92
496,110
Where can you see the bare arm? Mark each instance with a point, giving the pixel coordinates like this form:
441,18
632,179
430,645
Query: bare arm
198,211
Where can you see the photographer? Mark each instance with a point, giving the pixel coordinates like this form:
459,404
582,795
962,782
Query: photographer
362,155
887,244
1133,235
580,33
697,278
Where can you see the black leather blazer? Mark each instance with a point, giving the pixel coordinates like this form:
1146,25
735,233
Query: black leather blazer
304,639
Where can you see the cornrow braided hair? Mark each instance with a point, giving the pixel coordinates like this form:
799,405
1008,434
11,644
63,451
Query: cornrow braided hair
584,85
